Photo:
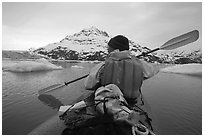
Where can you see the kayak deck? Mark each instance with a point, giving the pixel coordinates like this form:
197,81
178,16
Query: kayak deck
55,126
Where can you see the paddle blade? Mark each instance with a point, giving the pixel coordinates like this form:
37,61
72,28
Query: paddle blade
181,40
50,101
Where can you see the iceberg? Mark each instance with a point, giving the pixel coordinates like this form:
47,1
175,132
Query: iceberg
32,66
76,66
189,69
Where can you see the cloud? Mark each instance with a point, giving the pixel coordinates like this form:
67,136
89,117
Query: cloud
148,23
23,39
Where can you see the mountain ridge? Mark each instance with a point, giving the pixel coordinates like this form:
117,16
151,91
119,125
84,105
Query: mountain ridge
91,44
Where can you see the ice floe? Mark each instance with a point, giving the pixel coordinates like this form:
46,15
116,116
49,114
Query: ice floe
32,66
191,69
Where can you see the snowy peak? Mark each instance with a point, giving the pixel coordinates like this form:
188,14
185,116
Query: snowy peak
88,33
91,32
91,39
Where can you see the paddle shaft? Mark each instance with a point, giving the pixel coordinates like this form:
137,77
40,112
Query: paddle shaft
145,53
66,83
62,85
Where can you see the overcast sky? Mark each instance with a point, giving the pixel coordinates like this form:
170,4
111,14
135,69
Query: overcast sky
26,25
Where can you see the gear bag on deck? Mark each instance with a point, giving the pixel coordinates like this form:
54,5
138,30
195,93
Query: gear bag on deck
125,71
105,112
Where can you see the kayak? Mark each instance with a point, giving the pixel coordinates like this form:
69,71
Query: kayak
53,126
59,126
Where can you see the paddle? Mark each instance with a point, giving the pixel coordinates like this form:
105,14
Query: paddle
56,86
50,101
169,45
176,42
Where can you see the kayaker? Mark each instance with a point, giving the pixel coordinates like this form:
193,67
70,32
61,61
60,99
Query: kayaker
122,69
114,104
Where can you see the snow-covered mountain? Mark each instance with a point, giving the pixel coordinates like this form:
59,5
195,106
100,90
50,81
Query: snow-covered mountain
181,57
88,44
91,44
87,40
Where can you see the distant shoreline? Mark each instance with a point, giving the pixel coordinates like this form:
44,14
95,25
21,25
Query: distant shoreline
52,60
26,56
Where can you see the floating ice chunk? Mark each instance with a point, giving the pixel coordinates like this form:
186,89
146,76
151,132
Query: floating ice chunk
184,69
32,66
76,66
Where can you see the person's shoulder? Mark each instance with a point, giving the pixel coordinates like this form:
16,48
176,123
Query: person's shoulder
133,56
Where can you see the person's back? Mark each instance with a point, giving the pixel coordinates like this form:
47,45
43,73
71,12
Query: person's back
125,71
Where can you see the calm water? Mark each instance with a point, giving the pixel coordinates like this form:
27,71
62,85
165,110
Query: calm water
175,100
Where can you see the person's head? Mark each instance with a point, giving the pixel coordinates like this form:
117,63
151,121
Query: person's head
118,42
